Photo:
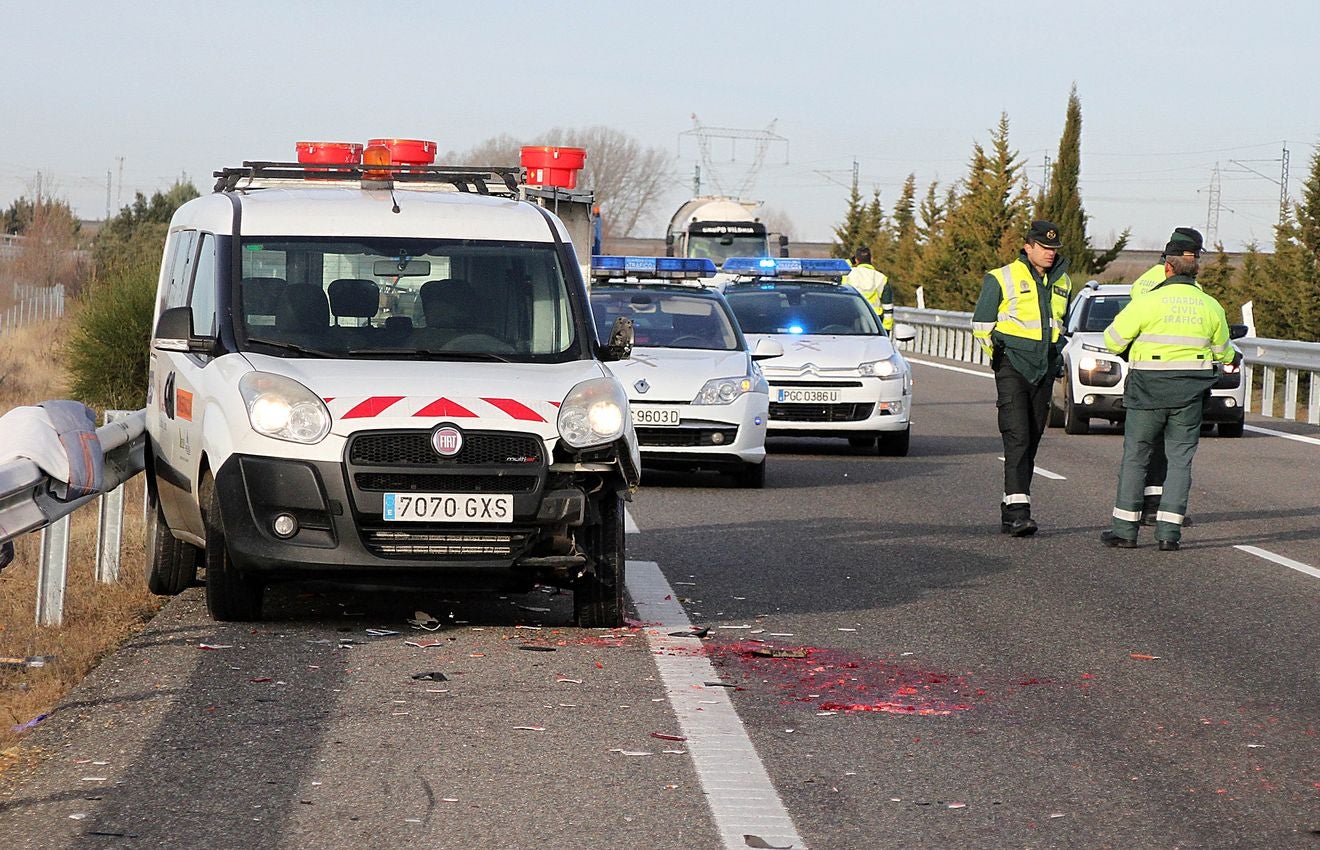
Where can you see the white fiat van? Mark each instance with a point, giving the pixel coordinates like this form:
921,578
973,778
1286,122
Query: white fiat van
383,373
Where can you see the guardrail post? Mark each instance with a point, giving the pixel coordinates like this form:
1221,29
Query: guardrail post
1267,391
52,573
110,529
1313,402
1248,372
1290,394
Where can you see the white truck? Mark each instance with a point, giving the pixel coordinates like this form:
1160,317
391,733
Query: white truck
717,228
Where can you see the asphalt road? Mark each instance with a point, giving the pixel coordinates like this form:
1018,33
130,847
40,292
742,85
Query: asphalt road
902,675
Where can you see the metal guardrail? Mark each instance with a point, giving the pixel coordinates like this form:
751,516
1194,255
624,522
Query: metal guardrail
948,334
27,503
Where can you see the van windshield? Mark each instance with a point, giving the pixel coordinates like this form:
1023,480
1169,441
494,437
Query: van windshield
346,297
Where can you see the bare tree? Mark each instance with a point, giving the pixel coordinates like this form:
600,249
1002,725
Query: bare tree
627,178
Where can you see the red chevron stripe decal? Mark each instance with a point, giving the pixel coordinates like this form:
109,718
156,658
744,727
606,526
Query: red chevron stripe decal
373,406
445,407
515,409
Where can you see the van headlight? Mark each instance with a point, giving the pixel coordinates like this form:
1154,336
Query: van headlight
594,413
890,367
724,390
282,408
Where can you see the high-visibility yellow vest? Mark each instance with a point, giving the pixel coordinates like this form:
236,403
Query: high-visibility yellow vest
1150,278
1019,304
1176,327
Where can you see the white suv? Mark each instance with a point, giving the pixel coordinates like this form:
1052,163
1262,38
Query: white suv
386,374
1093,378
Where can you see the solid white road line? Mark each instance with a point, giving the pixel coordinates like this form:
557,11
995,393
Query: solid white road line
629,524
1045,473
1298,437
1279,559
741,797
980,374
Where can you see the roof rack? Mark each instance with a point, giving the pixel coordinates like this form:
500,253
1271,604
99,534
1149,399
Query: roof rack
491,180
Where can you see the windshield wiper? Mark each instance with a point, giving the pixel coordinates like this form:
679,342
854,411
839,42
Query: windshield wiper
289,346
429,352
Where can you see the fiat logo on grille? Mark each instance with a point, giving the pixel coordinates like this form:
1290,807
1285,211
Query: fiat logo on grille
447,441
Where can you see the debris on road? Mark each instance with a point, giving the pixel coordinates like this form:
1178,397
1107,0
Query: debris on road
664,737
532,647
1141,656
381,632
423,620
530,728
434,676
215,646
760,843
425,643
23,727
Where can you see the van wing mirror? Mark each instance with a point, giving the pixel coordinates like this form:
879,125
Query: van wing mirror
174,332
767,348
619,345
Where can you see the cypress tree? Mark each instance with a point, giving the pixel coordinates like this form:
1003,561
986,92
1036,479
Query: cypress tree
1061,201
902,260
851,233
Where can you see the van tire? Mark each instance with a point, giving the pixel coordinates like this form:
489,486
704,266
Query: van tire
598,595
171,563
231,595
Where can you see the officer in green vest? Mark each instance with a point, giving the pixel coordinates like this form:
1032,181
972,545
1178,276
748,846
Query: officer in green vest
1173,336
1018,321
1191,243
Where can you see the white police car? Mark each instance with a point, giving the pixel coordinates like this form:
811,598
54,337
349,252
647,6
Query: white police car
1094,377
307,420
840,375
698,397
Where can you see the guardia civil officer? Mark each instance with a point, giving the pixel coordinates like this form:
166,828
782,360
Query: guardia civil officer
1174,336
1189,239
874,284
1018,321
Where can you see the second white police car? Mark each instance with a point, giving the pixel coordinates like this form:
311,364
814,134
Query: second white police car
698,397
840,375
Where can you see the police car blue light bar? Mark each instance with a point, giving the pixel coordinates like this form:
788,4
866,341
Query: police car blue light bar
785,267
656,267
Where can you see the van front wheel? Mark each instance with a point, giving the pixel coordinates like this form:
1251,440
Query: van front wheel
231,594
598,595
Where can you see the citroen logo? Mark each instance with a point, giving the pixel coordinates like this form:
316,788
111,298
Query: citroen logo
642,386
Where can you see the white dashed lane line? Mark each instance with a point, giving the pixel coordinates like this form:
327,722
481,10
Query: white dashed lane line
1044,472
1279,559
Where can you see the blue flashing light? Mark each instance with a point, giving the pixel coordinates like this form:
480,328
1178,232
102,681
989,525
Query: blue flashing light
795,329
607,266
786,267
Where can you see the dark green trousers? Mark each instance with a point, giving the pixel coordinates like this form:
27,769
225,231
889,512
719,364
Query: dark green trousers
1177,430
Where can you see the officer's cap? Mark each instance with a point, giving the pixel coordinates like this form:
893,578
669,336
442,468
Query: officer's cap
1044,233
1185,240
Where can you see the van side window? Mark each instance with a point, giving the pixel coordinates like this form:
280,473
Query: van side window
176,288
203,288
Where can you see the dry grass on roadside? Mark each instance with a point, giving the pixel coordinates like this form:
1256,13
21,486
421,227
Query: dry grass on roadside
97,617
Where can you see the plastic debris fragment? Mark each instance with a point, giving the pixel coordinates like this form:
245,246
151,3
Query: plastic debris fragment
531,647
434,676
664,737
381,632
215,646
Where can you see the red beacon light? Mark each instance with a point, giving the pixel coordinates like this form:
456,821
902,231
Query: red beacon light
407,151
329,153
553,166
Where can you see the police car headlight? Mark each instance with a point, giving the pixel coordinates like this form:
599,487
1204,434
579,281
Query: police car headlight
282,408
595,412
724,390
890,367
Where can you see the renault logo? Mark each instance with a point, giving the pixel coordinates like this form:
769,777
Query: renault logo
642,386
447,440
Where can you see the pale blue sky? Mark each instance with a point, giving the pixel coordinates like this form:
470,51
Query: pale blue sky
1168,90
